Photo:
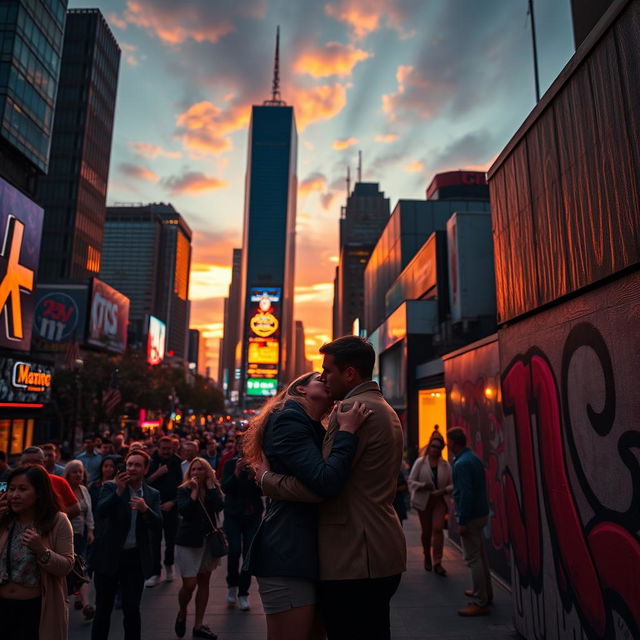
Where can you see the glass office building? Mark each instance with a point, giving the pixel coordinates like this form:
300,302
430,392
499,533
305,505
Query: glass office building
147,256
74,192
31,37
268,256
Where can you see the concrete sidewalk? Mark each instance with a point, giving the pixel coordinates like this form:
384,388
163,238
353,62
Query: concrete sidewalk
423,608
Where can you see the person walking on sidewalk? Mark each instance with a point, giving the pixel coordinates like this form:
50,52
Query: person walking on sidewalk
165,475
128,518
199,502
242,515
472,512
430,481
362,546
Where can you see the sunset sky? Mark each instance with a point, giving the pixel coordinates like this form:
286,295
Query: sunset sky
420,86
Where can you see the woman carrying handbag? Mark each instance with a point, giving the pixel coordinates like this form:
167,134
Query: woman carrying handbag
198,542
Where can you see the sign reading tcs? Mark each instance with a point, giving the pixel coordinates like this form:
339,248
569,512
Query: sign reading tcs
108,318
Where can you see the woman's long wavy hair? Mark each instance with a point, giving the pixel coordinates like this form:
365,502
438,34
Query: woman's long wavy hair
252,443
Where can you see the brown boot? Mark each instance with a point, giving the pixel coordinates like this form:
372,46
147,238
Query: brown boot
474,610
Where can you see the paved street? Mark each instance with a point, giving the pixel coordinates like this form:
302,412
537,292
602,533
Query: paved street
424,607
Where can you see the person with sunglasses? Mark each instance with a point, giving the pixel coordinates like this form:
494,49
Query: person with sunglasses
430,481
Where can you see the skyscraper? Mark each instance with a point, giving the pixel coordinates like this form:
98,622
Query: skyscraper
362,222
226,365
268,253
74,192
147,256
31,34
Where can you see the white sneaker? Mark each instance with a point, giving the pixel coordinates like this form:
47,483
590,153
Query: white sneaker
168,573
244,603
152,582
232,597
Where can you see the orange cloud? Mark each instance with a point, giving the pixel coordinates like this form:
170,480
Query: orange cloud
204,127
115,20
415,93
334,59
209,281
414,167
175,29
193,182
140,173
318,103
312,183
365,18
386,138
339,145
152,151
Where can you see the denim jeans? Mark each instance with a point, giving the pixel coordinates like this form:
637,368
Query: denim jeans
240,531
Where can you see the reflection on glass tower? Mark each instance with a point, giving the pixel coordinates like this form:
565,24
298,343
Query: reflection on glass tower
265,346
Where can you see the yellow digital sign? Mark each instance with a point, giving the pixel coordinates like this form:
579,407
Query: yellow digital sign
264,324
263,351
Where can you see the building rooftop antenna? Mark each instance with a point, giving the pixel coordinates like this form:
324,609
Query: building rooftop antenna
276,100
359,166
348,181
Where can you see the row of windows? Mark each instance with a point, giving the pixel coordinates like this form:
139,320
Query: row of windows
29,100
24,134
42,13
37,74
8,13
39,42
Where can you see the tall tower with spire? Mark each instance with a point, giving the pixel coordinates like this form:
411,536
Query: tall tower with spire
264,353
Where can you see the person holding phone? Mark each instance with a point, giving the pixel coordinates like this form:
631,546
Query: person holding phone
36,554
430,480
128,520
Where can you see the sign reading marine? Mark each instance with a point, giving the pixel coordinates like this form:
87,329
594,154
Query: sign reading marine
24,382
20,235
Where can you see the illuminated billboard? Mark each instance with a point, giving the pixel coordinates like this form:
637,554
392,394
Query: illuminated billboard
156,340
262,386
263,348
108,317
20,234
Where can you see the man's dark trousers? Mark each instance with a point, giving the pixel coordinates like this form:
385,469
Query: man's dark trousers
357,608
130,580
240,531
170,530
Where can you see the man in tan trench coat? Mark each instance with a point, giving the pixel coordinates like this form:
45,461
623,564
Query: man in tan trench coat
361,543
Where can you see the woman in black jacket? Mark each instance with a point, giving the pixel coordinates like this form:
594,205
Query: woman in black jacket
199,502
284,552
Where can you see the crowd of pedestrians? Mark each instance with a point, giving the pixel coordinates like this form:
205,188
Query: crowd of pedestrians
325,456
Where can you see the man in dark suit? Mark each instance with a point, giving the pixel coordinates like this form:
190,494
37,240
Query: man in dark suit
128,519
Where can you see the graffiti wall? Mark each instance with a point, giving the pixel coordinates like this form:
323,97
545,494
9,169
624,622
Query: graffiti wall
472,378
571,477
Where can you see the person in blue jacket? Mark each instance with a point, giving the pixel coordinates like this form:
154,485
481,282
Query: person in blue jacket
284,552
472,512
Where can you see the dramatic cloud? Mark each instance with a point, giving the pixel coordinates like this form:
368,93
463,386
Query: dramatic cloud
209,281
334,59
415,93
314,182
115,21
318,103
386,138
473,151
204,127
138,172
152,151
339,145
202,21
414,167
193,182
365,17
318,292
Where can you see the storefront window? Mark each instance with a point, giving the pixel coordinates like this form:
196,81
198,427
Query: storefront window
432,411
5,426
16,435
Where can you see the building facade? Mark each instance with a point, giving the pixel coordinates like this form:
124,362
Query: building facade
147,256
268,255
363,219
32,37
74,192
227,379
